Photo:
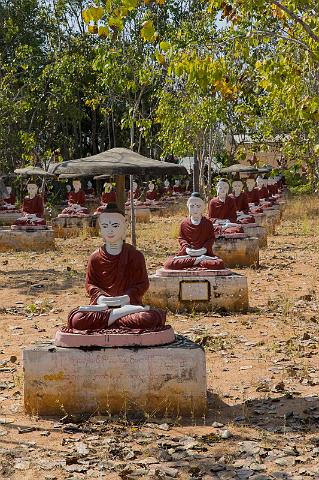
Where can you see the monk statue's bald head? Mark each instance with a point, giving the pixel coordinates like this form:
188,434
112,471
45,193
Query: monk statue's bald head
112,224
222,188
196,206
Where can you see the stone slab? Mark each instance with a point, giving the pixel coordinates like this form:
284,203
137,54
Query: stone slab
68,227
9,218
225,292
142,215
164,380
257,231
110,339
22,240
237,252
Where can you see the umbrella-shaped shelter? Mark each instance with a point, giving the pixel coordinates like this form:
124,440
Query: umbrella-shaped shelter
239,168
117,162
33,171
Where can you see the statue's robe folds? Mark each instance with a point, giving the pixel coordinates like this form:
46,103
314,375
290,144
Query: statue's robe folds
151,195
11,200
77,197
196,237
90,191
226,210
253,196
111,276
242,206
33,205
108,197
263,193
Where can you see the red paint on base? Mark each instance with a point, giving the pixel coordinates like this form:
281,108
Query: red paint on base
116,338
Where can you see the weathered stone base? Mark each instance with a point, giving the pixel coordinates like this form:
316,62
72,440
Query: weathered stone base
228,292
273,219
237,251
142,215
165,380
22,240
256,231
9,218
261,219
68,227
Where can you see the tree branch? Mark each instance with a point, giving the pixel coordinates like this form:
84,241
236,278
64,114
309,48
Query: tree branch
297,19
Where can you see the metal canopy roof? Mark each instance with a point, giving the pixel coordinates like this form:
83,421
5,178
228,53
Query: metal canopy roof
117,161
33,171
238,168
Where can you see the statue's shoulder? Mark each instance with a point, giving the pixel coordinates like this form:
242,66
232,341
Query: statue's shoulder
132,251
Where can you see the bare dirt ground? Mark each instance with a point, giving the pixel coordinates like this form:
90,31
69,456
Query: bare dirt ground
262,369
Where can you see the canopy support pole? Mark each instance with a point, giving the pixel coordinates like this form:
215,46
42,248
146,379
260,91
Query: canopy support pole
120,191
133,222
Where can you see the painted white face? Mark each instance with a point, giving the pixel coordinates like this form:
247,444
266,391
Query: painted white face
260,182
222,189
32,189
76,185
196,207
134,186
237,187
9,190
250,182
166,183
68,188
177,183
89,184
151,186
271,181
112,227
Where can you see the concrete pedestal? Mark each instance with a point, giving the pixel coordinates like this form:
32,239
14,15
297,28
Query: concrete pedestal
67,227
9,218
273,219
198,291
237,250
261,219
22,240
142,215
256,231
164,380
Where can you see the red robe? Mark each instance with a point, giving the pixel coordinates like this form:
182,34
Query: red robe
219,210
108,197
242,206
263,192
253,196
151,195
113,275
195,236
33,205
241,202
177,189
77,197
11,199
90,191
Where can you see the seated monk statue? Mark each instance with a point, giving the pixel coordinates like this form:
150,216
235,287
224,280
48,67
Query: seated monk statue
78,195
222,210
32,208
11,198
90,191
196,238
241,200
76,202
151,193
8,202
263,190
167,188
116,281
109,195
177,189
136,192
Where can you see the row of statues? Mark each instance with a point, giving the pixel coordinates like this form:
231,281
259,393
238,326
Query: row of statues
227,211
116,277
